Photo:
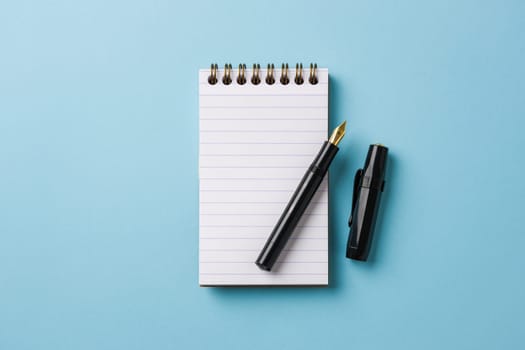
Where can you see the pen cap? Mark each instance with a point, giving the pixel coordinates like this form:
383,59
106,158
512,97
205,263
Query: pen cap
368,185
375,167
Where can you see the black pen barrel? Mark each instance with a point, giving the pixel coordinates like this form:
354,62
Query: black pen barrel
296,207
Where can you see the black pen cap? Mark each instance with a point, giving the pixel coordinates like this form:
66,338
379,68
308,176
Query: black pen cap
369,183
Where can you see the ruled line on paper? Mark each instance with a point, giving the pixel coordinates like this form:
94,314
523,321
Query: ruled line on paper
269,226
260,143
262,107
277,275
223,202
257,250
268,190
252,167
255,155
251,262
251,178
258,131
264,95
260,119
260,214
261,238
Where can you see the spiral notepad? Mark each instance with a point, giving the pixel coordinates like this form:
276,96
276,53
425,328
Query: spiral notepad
260,129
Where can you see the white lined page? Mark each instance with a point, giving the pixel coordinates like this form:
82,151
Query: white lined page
256,142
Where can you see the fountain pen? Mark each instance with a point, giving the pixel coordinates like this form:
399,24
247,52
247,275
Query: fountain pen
299,201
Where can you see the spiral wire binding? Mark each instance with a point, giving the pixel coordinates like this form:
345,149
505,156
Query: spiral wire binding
241,79
313,74
256,74
284,74
269,75
212,79
227,79
299,74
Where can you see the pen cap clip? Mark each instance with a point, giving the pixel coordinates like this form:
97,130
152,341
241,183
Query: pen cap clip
357,183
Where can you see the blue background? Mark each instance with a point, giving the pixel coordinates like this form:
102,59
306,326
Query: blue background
99,174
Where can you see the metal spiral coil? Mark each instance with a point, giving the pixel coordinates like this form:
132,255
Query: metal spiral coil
256,72
212,79
256,78
241,78
299,74
227,79
313,74
269,74
284,74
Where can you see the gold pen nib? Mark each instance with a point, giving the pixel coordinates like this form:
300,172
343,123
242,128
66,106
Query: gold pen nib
338,134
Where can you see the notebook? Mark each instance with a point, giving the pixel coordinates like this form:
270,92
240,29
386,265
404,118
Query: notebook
260,129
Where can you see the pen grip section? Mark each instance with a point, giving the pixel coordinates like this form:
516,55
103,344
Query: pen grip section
325,156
